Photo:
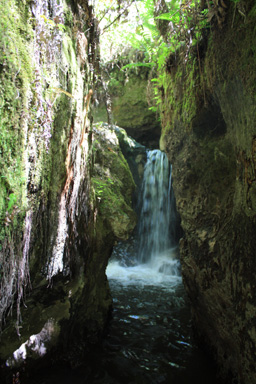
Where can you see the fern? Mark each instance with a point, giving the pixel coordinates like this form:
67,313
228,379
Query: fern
139,64
152,31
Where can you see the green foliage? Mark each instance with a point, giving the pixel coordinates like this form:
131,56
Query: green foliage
140,30
134,29
12,200
148,34
102,187
112,185
134,65
53,23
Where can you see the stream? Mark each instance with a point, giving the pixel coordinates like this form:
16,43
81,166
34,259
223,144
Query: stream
149,339
150,336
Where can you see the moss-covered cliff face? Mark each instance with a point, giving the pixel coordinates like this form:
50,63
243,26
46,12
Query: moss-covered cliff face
128,92
208,114
44,78
55,239
111,218
113,186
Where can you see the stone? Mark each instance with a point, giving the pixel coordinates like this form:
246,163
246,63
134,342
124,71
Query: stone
209,134
130,108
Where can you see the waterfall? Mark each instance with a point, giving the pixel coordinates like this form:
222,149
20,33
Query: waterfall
155,217
155,261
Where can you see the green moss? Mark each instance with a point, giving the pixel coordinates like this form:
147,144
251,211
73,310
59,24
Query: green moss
53,172
31,177
115,85
16,74
112,184
70,54
68,20
185,88
176,94
128,92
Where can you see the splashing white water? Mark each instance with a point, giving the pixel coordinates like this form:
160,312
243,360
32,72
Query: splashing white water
163,270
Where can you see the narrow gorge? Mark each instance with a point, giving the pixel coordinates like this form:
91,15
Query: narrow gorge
127,191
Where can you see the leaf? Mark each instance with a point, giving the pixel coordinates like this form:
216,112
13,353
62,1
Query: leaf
43,17
205,12
61,27
132,65
165,16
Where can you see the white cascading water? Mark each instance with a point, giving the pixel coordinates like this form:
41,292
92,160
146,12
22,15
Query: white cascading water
155,215
156,259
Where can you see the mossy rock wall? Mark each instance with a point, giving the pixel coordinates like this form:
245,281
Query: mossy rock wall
55,239
208,115
46,75
128,92
113,185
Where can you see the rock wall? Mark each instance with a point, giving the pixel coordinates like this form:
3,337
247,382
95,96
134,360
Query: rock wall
55,239
113,186
129,94
208,115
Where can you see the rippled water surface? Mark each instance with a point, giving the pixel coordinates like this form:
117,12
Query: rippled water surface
150,334
149,340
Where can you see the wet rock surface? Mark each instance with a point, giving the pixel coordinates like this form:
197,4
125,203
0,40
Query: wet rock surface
213,180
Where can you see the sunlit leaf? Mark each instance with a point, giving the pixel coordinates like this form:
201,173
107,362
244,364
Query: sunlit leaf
164,16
